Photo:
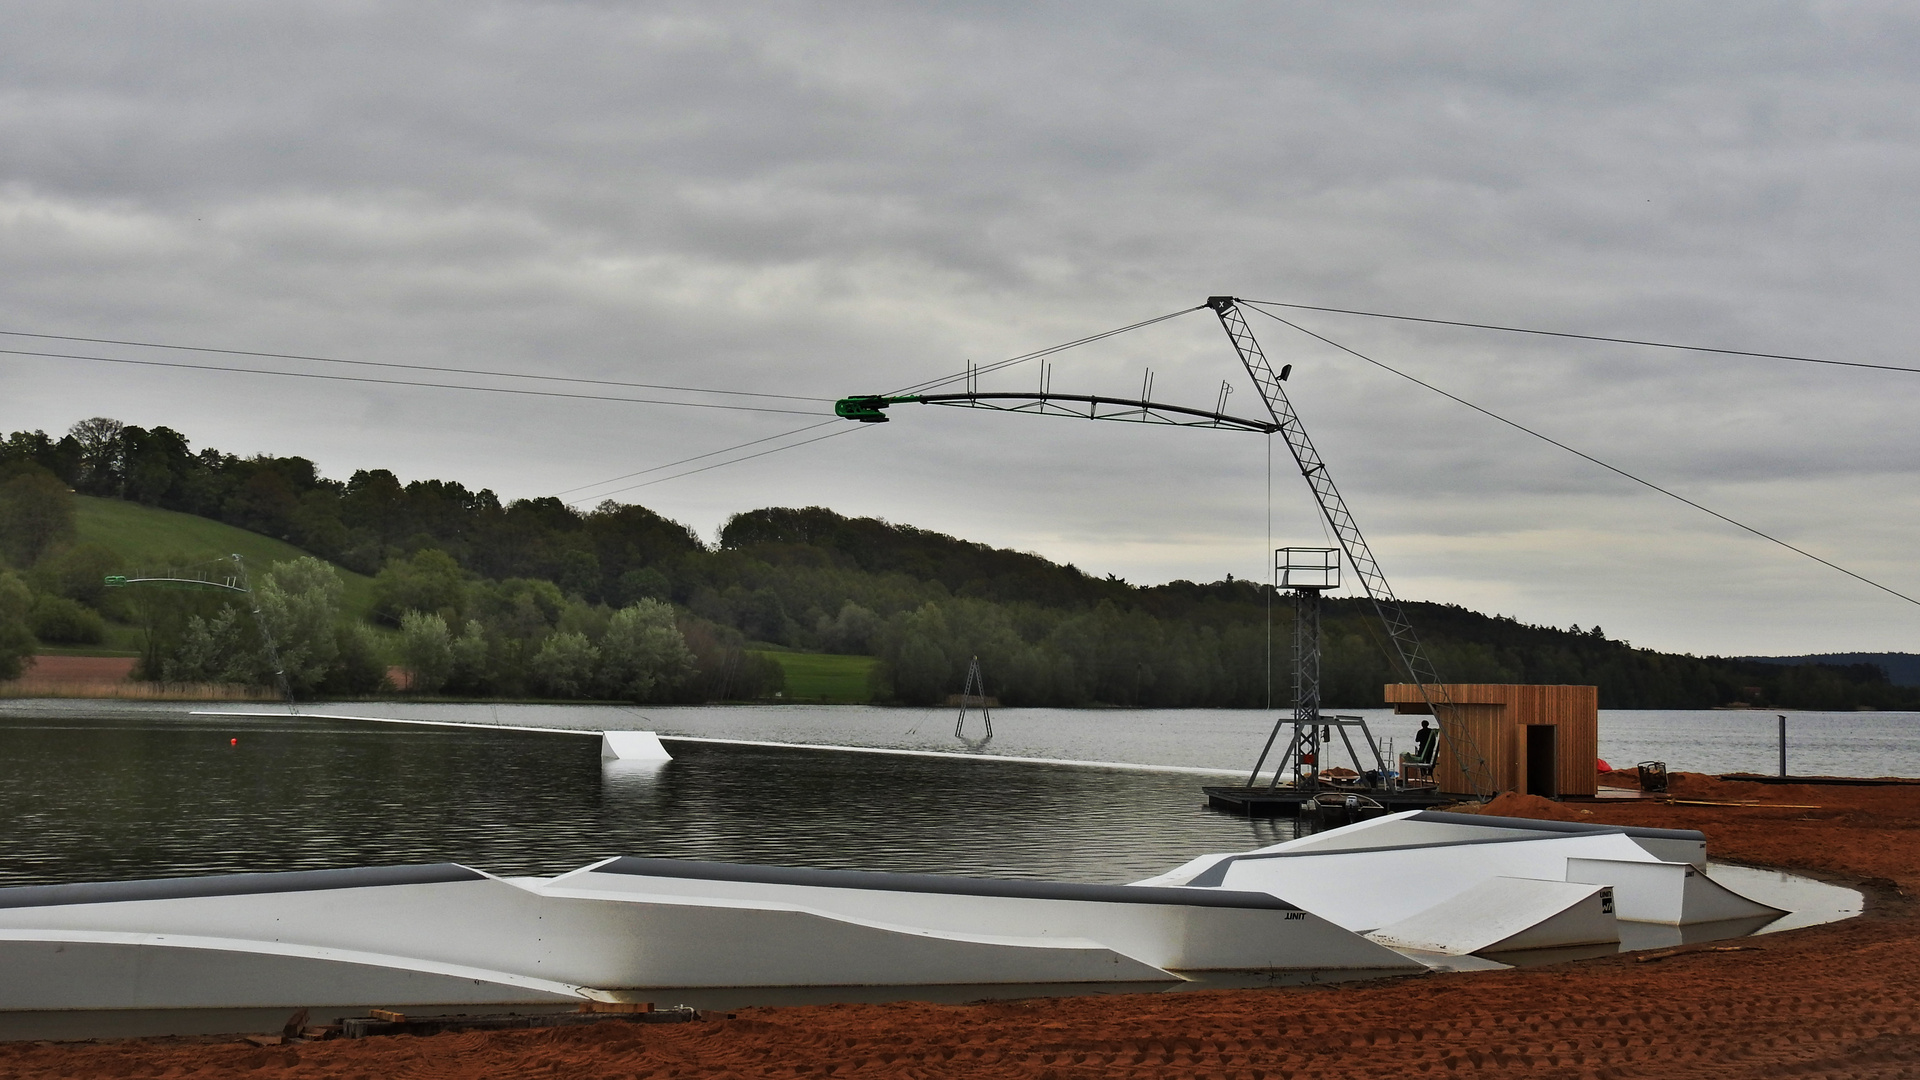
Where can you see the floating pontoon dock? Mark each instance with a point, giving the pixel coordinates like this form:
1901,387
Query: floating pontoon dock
1284,801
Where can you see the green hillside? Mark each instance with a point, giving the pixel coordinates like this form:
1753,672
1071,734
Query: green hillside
148,537
848,608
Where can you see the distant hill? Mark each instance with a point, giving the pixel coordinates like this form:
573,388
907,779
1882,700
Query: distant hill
810,581
148,537
1902,668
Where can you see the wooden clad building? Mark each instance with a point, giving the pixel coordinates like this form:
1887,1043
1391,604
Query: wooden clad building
1539,740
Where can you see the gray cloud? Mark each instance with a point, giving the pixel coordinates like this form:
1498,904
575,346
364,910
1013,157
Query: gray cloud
827,199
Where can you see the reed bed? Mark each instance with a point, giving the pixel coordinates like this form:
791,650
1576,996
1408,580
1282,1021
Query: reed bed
133,691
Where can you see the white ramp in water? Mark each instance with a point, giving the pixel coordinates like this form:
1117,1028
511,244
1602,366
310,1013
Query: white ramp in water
1672,893
616,745
632,746
1508,914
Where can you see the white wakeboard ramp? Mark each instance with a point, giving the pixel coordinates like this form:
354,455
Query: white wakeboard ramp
446,935
1503,914
1464,883
641,746
1169,930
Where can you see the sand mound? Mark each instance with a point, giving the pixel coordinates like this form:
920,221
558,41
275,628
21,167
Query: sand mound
1621,778
1514,804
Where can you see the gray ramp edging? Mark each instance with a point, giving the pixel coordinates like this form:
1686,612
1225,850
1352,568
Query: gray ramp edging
941,884
113,892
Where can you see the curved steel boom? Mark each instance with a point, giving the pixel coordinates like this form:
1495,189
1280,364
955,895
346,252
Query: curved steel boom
871,409
1099,408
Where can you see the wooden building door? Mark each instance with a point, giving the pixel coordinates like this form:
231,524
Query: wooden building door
1543,760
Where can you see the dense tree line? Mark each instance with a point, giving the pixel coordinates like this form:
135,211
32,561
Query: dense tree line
523,611
297,635
51,589
478,596
637,653
471,636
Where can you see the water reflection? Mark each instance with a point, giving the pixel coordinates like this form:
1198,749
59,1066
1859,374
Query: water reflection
158,794
1807,902
1845,744
630,786
1659,936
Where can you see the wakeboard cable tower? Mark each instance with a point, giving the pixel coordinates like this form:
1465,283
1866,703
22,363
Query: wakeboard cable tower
1456,740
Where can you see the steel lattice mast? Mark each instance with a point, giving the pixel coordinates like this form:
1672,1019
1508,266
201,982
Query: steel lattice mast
1455,737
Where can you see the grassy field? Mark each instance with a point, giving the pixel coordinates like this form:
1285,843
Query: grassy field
122,640
826,678
146,536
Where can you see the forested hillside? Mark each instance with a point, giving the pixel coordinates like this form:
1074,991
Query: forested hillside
532,597
1902,668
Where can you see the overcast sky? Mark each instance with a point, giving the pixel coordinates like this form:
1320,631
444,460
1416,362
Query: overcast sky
827,199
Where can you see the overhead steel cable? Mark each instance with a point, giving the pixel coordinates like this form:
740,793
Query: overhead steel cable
410,382
734,461
1585,337
1517,426
683,461
915,387
407,367
1037,354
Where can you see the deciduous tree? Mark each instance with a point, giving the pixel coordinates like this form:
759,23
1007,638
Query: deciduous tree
16,640
564,665
300,607
36,515
643,655
426,651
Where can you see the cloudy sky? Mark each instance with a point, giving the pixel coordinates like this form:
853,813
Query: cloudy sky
823,199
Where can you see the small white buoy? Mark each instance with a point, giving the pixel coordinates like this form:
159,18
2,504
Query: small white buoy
632,746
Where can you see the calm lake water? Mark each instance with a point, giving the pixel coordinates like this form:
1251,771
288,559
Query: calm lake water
1228,740
105,790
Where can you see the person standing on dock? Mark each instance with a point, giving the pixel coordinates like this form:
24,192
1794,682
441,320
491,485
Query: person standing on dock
1420,740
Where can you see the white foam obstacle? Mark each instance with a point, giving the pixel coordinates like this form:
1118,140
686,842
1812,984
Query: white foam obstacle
1344,900
1171,930
1676,894
448,934
116,970
1504,914
1461,883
